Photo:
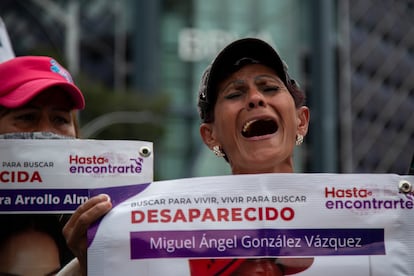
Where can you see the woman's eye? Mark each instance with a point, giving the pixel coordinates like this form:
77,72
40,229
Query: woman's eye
271,88
26,117
61,120
233,94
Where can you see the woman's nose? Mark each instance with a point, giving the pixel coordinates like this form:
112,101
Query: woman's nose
255,99
45,125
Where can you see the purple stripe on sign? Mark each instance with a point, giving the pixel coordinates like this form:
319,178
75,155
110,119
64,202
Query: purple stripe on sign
34,200
117,195
256,243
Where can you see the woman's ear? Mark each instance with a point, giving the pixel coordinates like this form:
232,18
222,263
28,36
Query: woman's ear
303,120
206,133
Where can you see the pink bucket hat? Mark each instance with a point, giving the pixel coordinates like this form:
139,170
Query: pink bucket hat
23,78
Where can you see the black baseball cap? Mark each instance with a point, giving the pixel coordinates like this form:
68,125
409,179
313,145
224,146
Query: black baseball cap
227,61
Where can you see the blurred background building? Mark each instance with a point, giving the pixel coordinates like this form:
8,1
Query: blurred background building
139,63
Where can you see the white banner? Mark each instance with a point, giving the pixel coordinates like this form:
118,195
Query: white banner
54,176
346,224
44,178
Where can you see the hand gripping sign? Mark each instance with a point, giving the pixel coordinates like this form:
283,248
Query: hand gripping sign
285,224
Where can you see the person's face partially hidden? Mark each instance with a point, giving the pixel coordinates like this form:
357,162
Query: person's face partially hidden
255,121
29,254
258,267
50,111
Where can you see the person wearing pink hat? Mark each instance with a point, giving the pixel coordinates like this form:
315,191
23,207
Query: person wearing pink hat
38,100
37,94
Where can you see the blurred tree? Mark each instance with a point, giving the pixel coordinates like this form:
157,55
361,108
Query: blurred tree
129,115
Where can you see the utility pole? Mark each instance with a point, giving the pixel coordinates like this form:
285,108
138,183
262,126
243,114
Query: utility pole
324,98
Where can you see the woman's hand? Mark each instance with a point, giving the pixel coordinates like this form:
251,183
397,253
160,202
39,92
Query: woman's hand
75,230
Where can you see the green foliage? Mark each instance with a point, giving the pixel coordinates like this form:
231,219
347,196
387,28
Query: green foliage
134,124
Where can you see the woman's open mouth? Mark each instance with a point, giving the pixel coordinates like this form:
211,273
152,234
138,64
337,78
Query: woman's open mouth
261,127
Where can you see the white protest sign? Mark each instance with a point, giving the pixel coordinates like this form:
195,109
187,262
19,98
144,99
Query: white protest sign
348,224
54,176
